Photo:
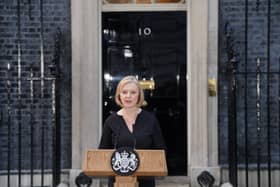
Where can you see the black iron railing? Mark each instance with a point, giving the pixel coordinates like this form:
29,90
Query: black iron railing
252,80
30,114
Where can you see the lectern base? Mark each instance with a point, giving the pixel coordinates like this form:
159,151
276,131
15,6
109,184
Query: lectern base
129,181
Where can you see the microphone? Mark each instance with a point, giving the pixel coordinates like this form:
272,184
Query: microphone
134,142
116,138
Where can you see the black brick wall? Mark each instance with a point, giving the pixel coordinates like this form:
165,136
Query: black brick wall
56,15
233,12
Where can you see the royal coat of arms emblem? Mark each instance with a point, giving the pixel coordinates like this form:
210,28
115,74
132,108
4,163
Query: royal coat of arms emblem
124,161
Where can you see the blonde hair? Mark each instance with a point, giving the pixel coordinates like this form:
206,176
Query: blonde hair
124,81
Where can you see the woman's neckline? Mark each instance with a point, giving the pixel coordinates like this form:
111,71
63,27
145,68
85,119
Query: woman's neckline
120,112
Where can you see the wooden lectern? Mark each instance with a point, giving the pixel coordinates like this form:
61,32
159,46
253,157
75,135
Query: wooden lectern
152,163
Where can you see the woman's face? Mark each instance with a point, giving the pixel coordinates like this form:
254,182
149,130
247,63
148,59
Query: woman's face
129,95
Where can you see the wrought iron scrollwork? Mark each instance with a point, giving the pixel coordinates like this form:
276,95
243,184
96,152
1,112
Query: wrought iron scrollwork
83,180
205,179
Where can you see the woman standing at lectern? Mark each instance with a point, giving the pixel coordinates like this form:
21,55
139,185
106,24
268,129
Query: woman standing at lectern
131,126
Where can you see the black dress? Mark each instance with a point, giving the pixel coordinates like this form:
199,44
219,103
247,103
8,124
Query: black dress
146,135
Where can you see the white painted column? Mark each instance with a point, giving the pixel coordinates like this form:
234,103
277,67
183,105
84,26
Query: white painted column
201,126
213,74
86,83
213,154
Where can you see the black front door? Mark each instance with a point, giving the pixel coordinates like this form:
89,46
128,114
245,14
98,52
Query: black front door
151,46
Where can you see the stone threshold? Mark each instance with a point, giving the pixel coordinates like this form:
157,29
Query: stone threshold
173,181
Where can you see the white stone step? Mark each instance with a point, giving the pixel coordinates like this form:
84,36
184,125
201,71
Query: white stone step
172,185
170,181
173,181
